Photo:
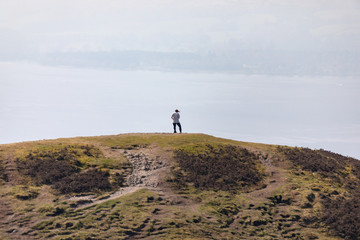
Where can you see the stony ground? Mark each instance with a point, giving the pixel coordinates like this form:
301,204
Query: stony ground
148,171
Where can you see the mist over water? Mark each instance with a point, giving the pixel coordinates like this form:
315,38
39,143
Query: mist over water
41,102
236,69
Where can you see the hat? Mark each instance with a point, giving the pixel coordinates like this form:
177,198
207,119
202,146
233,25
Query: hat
177,110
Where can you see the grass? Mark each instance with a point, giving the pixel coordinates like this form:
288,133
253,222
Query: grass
335,184
25,192
170,141
77,154
123,217
189,213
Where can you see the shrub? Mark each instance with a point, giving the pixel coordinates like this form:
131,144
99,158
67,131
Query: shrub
90,151
46,171
50,166
222,167
311,197
90,180
312,160
61,168
352,162
328,164
342,215
2,171
118,180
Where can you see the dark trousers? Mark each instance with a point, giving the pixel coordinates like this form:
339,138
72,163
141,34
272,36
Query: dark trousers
179,125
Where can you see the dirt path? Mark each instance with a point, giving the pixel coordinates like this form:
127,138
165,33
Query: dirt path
150,166
148,172
276,178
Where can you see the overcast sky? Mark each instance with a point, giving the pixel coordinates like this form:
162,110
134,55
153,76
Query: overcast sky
41,101
168,25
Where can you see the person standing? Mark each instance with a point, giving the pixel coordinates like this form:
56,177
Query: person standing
175,117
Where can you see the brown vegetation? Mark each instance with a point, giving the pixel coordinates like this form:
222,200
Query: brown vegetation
309,195
315,161
87,181
2,171
326,163
47,171
61,168
342,215
222,167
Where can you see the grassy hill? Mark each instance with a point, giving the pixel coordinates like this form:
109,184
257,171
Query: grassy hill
166,186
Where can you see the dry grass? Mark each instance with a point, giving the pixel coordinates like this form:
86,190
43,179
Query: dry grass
293,211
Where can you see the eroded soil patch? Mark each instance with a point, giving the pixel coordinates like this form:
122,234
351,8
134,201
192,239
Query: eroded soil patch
148,169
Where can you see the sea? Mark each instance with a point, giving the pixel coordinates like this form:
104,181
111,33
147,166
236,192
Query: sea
46,102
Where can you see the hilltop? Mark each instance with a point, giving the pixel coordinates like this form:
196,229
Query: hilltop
167,186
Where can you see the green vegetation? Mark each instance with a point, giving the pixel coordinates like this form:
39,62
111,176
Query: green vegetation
211,188
78,155
122,218
24,192
339,213
167,141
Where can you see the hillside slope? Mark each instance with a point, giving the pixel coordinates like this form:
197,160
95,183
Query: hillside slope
166,186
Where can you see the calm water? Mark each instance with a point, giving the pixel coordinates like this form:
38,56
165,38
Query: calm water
41,102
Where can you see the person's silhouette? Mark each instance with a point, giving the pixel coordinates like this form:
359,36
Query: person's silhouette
175,117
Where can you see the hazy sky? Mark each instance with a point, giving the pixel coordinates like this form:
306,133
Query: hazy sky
41,101
168,25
